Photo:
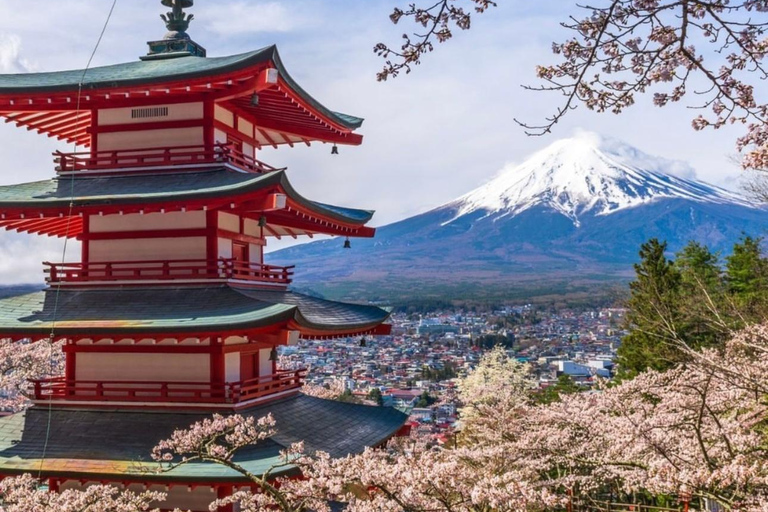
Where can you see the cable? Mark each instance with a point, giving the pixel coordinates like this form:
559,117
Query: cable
52,336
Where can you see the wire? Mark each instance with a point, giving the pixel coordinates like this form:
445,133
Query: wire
52,336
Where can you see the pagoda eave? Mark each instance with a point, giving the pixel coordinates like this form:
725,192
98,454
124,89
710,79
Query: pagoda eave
114,446
57,207
178,313
55,104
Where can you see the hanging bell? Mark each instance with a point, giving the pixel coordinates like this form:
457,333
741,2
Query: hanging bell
263,221
273,354
254,100
335,150
347,244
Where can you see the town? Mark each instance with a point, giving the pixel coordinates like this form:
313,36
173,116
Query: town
414,369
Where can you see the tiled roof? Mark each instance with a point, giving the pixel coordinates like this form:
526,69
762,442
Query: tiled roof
146,72
117,190
175,309
113,444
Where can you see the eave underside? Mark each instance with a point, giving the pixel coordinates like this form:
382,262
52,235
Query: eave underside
116,445
56,207
53,104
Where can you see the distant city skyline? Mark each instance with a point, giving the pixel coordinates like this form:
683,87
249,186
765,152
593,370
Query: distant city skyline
430,136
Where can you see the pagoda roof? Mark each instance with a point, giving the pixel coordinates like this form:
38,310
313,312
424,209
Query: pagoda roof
179,311
34,99
107,445
189,189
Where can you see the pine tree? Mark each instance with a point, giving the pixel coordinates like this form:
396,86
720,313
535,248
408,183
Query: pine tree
653,314
706,316
747,277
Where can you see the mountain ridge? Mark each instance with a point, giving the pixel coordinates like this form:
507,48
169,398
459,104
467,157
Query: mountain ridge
576,211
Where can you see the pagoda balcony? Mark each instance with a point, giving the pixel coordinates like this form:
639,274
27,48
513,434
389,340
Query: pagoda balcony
158,159
59,389
167,271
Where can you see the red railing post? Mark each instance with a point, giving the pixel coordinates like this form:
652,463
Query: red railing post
38,389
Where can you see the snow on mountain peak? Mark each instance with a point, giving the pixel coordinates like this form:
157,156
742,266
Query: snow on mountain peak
588,173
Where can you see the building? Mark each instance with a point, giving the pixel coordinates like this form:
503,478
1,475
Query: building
171,313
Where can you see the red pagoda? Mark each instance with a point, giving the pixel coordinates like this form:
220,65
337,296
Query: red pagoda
171,313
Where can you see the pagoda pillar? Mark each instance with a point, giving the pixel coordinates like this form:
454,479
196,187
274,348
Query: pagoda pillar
224,491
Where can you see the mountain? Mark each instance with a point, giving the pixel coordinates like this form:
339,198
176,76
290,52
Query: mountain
574,213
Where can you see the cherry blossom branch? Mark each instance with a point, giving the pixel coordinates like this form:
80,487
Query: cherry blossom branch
439,19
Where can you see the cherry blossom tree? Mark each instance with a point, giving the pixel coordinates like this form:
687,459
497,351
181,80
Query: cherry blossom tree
714,49
22,362
24,494
437,22
707,53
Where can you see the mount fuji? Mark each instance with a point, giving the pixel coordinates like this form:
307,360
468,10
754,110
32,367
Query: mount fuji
576,211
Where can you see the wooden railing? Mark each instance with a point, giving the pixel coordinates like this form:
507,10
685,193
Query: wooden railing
166,270
60,389
172,158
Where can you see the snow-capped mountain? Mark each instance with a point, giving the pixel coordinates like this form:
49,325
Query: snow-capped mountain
578,209
587,174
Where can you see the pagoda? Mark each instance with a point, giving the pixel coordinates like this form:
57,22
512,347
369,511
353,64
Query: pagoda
171,314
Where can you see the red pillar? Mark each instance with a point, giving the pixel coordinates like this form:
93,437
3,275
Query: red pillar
223,491
53,485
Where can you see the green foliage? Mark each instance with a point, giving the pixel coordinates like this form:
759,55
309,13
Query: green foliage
425,400
690,302
375,395
488,341
652,313
564,386
348,397
448,371
747,275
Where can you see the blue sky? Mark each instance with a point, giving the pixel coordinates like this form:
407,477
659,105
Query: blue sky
429,137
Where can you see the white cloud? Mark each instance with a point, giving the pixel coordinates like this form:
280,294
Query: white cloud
243,17
430,136
11,60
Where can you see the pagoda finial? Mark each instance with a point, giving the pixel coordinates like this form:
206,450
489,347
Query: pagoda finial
176,42
177,21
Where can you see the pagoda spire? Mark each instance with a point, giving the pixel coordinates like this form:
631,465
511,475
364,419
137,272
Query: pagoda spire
176,42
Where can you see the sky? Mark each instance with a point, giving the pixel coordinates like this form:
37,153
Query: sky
430,136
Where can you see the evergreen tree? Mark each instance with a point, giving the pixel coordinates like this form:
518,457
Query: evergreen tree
747,277
653,313
425,400
704,311
375,395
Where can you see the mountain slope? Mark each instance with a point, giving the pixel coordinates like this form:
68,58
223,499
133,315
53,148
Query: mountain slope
576,211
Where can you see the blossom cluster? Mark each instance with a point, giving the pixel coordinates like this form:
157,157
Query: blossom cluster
715,48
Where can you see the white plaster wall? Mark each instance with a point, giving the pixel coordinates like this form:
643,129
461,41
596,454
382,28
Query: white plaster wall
148,139
147,222
219,137
224,115
245,127
143,367
176,112
251,228
147,249
254,253
232,367
225,248
229,222
265,365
